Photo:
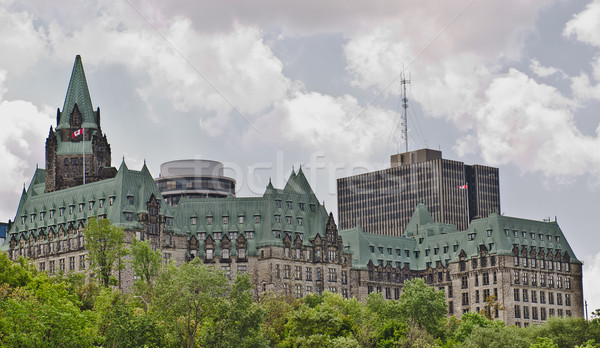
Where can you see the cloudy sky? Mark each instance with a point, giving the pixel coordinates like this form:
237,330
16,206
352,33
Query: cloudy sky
265,86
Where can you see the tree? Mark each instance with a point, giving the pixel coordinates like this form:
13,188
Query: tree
491,306
239,321
423,305
187,297
43,313
105,244
145,262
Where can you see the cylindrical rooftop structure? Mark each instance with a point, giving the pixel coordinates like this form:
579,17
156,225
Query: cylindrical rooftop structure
193,178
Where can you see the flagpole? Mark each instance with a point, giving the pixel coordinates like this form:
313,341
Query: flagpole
83,142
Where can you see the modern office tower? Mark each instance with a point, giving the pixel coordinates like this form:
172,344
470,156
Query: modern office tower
383,201
193,179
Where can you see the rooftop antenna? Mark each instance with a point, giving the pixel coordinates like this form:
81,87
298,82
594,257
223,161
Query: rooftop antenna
404,81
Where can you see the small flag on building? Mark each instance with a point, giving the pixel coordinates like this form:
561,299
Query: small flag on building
77,132
462,187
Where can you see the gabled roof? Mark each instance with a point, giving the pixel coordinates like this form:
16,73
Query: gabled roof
78,94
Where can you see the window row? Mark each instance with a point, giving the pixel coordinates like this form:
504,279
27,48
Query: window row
533,314
542,264
525,295
71,209
225,219
532,236
545,280
73,262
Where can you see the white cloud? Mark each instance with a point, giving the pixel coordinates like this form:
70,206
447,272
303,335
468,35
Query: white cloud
544,71
591,282
532,125
585,26
21,44
21,146
315,122
191,70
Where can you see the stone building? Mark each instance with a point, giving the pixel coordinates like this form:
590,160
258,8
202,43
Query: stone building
527,265
285,239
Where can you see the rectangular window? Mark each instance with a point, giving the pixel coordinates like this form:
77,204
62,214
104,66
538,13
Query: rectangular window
465,299
464,282
225,253
227,271
286,271
72,263
209,254
533,296
517,311
516,294
525,297
61,264
308,273
225,220
550,298
242,269
525,312
332,275
486,278
542,297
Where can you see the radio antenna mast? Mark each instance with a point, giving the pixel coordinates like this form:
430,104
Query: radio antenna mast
404,81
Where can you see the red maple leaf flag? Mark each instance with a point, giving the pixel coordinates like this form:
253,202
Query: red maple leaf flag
77,132
462,187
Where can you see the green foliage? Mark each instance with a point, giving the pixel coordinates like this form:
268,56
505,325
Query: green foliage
186,298
239,321
543,342
15,274
277,307
105,244
145,262
564,332
498,337
43,313
423,305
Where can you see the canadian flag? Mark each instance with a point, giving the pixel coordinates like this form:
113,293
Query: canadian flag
77,132
462,187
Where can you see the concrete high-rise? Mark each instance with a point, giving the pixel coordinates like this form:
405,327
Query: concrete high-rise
383,201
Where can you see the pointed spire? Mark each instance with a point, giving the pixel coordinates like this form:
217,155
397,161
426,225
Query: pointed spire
78,95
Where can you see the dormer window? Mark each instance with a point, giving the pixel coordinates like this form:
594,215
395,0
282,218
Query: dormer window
101,203
91,205
61,211
42,216
22,219
32,217
241,219
128,216
209,220
80,207
225,254
300,221
193,220
209,254
249,234
51,214
289,204
202,235
278,203
301,206
111,200
131,199
313,208
217,235
277,218
289,220
257,219
241,253
225,220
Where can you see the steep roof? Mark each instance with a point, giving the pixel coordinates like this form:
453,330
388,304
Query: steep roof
81,202
432,242
78,94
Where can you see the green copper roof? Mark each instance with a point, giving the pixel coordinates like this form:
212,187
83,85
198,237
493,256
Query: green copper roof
110,197
78,94
431,242
293,211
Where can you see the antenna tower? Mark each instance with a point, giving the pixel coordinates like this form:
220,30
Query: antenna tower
404,81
